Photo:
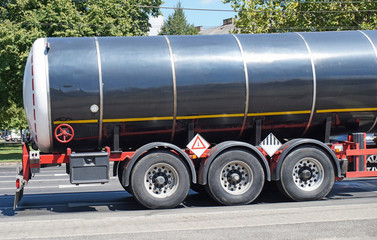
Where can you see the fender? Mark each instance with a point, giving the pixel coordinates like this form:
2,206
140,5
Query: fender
291,145
156,145
215,151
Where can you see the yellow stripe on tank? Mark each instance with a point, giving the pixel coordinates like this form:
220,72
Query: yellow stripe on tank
278,113
218,116
347,110
77,121
137,119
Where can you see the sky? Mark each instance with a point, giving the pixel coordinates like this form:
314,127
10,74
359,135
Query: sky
201,18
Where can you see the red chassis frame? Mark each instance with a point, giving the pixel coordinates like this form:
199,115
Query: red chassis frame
351,151
58,158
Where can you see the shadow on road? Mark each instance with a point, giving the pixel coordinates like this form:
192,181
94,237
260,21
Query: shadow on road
123,201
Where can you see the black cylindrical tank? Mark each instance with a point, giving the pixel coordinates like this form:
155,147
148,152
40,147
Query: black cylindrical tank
79,92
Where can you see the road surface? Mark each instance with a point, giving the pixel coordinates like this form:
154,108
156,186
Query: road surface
52,208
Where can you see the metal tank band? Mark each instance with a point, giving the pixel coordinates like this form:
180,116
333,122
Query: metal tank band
314,84
174,87
100,83
246,84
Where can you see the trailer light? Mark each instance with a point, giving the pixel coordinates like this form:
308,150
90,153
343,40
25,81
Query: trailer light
17,183
338,148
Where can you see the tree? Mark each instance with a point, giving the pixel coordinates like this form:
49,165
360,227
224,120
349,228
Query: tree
23,21
13,118
311,15
177,24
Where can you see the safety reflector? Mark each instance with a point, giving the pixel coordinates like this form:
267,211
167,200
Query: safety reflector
17,183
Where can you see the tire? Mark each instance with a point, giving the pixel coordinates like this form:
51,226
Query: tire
160,180
235,177
306,174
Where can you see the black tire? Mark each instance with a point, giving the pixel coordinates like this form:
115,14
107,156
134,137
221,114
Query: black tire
168,180
223,184
306,174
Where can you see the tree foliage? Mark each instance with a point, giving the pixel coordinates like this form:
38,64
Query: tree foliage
177,24
13,118
23,21
299,15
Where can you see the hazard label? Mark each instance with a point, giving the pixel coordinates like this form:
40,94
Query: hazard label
198,145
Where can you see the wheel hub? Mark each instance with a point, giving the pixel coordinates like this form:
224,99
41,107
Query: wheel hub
305,174
161,180
236,177
308,174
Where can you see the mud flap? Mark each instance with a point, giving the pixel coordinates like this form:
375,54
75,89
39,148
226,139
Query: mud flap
18,196
20,183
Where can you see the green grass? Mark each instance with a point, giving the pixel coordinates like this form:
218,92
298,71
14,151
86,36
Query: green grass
10,152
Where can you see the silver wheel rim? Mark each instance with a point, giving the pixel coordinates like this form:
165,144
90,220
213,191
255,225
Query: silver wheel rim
236,177
308,174
161,180
372,159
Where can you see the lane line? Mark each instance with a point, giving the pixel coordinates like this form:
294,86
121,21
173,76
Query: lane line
81,185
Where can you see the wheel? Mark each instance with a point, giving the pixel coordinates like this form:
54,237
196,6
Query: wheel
235,177
160,180
306,174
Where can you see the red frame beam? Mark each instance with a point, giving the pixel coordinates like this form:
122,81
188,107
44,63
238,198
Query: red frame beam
361,174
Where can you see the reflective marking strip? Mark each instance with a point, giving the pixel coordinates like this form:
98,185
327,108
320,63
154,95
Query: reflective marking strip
347,110
211,116
217,116
137,119
77,121
278,113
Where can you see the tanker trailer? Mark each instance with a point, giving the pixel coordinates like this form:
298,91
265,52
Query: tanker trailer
138,101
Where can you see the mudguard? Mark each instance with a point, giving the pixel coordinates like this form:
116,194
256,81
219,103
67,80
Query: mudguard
215,151
291,145
157,145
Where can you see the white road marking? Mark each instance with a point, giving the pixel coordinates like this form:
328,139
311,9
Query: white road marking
81,185
60,174
39,180
14,188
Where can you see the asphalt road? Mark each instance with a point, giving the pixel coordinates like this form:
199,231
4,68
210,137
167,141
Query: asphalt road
52,208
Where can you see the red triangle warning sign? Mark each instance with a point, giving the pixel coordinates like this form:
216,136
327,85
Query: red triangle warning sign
198,144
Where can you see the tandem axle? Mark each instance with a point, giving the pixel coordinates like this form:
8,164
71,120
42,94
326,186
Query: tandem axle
160,175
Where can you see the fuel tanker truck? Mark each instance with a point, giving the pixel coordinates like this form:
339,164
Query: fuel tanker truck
221,114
